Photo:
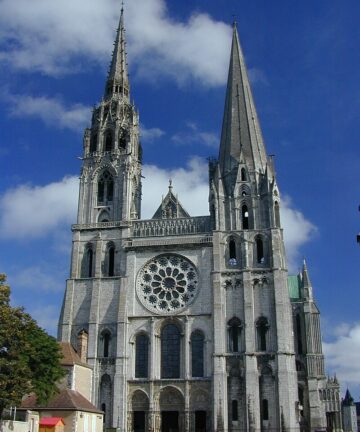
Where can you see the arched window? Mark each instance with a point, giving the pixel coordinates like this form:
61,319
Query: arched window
243,174
142,356
245,217
260,258
105,398
262,327
93,143
197,354
234,332
104,216
234,409
105,188
108,142
88,266
277,214
170,352
109,262
299,335
232,250
105,344
103,408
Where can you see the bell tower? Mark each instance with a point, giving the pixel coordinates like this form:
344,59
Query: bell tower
254,386
110,181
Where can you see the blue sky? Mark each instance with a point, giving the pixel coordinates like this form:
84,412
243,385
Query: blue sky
304,62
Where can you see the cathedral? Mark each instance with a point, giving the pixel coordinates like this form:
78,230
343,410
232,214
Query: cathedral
191,323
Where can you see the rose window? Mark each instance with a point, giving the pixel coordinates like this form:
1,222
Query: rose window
167,284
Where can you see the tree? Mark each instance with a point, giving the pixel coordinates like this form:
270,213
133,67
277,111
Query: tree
29,357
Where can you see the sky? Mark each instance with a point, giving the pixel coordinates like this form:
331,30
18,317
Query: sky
303,60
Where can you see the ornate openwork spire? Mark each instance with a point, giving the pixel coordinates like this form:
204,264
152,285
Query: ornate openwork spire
118,80
241,134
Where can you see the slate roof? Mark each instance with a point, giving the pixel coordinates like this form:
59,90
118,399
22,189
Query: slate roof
66,400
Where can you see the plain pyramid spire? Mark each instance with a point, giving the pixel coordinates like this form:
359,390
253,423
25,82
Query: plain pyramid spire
241,134
118,79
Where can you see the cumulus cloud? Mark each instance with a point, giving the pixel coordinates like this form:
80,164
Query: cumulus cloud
343,353
35,278
52,111
33,211
151,134
297,231
190,183
196,136
49,37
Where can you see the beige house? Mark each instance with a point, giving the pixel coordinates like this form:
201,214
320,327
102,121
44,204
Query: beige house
71,403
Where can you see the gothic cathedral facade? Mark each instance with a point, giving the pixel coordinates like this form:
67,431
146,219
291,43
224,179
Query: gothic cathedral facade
191,323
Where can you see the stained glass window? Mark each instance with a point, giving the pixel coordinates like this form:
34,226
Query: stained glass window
197,354
170,352
142,356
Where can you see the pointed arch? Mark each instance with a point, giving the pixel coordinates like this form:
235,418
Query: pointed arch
104,216
88,261
259,252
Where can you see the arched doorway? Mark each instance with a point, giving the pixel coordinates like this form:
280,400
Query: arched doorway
172,410
200,411
140,410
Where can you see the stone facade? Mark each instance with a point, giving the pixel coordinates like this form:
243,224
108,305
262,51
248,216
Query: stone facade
189,320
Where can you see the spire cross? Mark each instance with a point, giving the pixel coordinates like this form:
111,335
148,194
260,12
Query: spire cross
170,184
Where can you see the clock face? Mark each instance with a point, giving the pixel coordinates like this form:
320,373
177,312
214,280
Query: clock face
167,284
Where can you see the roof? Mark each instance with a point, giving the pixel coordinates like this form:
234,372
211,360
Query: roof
170,207
294,284
51,421
66,400
70,356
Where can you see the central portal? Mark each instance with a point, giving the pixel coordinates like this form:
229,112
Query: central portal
170,421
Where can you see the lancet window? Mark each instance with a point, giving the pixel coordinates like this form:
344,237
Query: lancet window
234,335
105,188
197,354
142,356
262,327
170,352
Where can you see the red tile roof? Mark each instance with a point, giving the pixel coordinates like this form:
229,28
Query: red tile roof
51,421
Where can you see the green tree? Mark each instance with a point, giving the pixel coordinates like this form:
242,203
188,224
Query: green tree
29,357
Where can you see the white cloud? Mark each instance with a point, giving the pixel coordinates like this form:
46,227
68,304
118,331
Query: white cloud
190,183
47,317
56,37
195,136
257,76
51,111
297,231
150,135
39,280
35,211
343,353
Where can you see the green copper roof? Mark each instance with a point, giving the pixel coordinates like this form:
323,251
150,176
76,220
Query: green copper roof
294,283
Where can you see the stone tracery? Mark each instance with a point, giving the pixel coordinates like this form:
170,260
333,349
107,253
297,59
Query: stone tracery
167,284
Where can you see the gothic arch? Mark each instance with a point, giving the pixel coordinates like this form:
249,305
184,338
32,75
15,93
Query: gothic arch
142,353
88,261
171,398
105,343
234,328
104,216
109,260
102,168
